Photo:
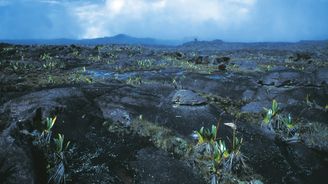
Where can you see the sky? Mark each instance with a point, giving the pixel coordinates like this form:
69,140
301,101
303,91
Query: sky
228,20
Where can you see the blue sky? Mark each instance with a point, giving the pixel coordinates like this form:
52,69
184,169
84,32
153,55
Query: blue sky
229,20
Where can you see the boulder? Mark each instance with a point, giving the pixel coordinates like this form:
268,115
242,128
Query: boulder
189,98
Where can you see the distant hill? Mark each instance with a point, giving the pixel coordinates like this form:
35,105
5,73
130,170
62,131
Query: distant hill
221,45
118,39
196,45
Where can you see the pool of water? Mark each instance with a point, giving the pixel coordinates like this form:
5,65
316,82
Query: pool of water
218,76
101,74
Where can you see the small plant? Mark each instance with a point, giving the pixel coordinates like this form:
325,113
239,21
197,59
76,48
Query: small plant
14,66
287,121
145,64
50,79
223,160
134,80
206,135
220,153
49,62
43,138
235,158
59,142
271,112
58,172
75,53
283,126
54,153
80,77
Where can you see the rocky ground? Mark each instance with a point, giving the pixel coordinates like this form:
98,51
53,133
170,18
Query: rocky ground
130,112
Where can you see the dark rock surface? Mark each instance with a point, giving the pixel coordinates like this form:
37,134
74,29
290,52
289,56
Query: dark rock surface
129,111
166,170
187,97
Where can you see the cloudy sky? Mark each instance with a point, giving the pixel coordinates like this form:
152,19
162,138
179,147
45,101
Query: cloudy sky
229,20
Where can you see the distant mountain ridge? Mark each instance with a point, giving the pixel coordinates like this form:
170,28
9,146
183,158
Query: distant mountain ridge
186,43
222,45
118,39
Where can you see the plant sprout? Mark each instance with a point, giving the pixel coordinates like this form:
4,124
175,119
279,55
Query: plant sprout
206,135
47,132
59,142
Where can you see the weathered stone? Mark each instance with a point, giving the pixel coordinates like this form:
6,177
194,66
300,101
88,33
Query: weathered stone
20,109
187,97
115,114
248,95
255,107
283,78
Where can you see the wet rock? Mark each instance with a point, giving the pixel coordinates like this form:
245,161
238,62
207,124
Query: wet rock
246,65
278,68
131,98
156,166
185,119
22,108
214,60
283,78
248,95
187,97
255,107
115,114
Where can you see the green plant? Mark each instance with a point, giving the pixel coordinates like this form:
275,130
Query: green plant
49,62
14,66
270,113
50,123
58,171
145,64
79,76
59,142
206,135
288,122
44,137
53,153
235,158
223,160
220,152
283,126
50,79
75,53
134,80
